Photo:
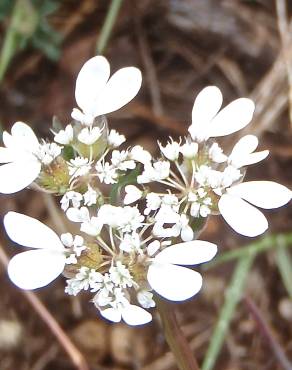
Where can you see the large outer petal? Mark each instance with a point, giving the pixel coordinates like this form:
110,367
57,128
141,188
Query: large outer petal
241,216
189,253
36,268
232,118
206,106
245,145
90,83
29,232
6,155
264,194
173,282
111,314
16,176
121,88
22,137
135,315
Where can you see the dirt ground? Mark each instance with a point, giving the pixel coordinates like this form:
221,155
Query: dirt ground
180,46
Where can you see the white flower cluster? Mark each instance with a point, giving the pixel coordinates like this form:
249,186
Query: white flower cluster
201,179
128,253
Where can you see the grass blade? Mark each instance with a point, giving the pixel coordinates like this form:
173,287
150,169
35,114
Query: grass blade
232,298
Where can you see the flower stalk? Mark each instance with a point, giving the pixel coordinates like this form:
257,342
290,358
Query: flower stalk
175,338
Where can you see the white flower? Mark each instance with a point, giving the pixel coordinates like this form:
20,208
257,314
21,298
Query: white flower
132,194
216,154
121,161
90,197
79,167
74,245
242,216
159,171
78,215
106,173
189,150
153,202
140,155
72,196
120,275
21,166
145,298
171,150
243,152
38,267
96,94
92,227
131,314
131,219
85,278
174,282
64,137
89,135
131,243
181,224
115,139
207,122
47,152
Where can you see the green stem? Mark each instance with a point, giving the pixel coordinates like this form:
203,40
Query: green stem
22,25
262,245
108,26
175,338
233,296
284,263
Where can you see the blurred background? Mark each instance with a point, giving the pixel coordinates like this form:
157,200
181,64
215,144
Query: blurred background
242,318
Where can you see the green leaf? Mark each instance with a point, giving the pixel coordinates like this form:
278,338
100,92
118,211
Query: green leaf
68,152
128,179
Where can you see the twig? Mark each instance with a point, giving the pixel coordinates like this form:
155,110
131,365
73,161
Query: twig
283,26
107,27
266,332
233,296
162,121
175,338
151,75
72,351
54,212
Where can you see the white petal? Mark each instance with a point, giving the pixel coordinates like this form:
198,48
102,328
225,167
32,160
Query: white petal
90,82
247,144
111,314
16,176
241,216
189,253
29,232
206,105
22,133
173,282
254,158
135,315
264,194
121,88
187,234
132,194
232,118
36,268
6,155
